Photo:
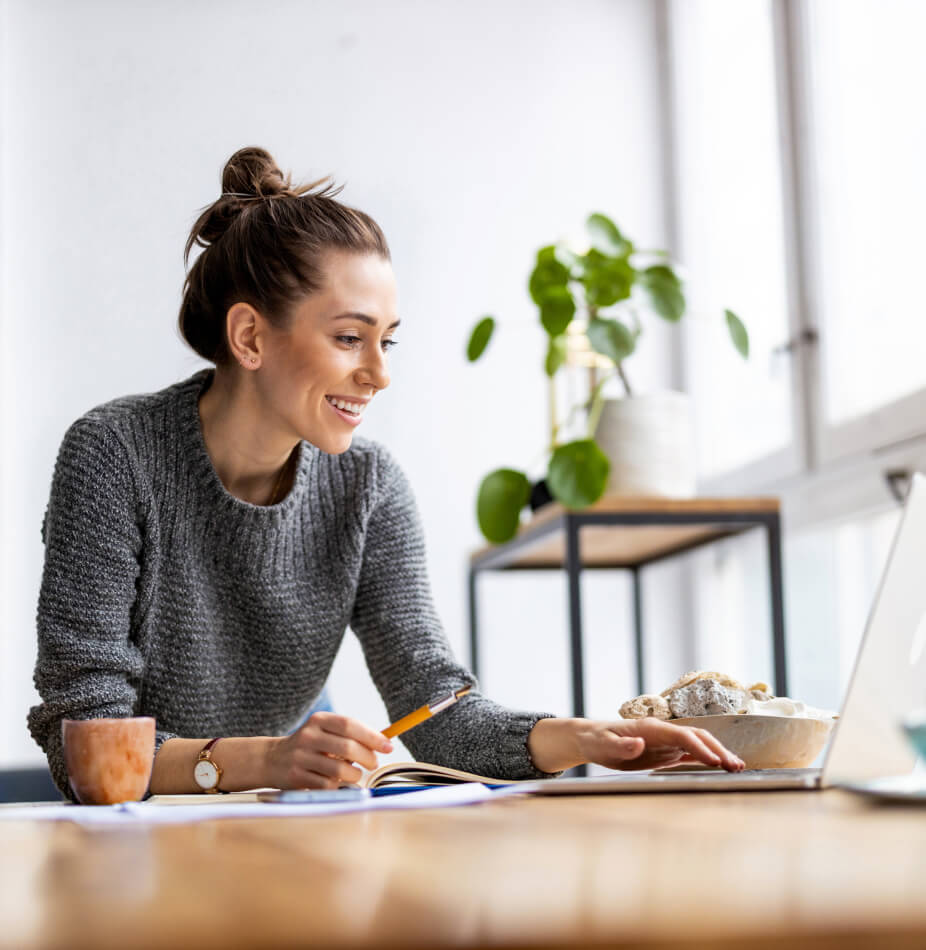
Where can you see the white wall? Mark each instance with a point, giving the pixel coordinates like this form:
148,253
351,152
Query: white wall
473,132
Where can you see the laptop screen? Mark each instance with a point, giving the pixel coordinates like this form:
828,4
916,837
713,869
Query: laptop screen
889,679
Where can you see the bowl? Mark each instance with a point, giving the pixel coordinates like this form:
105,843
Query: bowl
767,742
915,728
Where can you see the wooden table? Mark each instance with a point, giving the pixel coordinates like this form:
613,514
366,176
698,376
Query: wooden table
738,870
631,533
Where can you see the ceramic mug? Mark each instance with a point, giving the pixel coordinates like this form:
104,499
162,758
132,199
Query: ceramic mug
108,760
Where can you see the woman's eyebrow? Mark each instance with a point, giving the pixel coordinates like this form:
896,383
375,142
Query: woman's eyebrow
364,318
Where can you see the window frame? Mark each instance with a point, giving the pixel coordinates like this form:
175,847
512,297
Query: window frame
854,453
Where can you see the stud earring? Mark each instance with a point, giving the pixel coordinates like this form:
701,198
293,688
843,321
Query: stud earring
253,359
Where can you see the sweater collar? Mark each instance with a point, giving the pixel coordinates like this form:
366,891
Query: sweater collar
203,471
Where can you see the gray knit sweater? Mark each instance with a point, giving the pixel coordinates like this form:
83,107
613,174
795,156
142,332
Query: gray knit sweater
163,595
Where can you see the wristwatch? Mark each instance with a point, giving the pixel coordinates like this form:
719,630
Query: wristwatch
206,773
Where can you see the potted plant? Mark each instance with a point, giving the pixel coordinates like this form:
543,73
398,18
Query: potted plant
592,302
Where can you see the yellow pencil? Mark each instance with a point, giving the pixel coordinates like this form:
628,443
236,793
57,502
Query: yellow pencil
424,712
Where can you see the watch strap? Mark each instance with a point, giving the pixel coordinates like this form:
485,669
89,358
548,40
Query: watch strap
207,748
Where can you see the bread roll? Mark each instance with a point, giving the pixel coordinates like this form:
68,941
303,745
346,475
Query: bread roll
644,706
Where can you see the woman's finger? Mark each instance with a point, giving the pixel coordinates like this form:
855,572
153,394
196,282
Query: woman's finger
729,759
689,741
348,749
353,729
717,753
332,772
617,749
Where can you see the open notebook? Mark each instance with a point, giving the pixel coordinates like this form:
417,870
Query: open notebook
423,773
391,774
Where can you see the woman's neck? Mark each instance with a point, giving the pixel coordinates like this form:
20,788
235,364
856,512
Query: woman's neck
247,456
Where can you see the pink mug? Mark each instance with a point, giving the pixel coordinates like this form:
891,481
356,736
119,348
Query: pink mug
108,760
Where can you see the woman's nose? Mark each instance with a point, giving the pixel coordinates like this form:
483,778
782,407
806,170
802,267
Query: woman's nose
376,372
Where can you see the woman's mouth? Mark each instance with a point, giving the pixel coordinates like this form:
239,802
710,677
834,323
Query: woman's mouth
350,412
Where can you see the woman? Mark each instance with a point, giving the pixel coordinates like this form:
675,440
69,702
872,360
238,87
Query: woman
207,545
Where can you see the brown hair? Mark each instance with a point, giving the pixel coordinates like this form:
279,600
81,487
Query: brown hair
263,241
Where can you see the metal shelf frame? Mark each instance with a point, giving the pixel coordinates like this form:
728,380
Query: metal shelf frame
570,523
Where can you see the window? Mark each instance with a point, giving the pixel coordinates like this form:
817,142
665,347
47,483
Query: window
866,150
730,236
797,143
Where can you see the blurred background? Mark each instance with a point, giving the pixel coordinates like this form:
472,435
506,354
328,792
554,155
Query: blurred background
774,147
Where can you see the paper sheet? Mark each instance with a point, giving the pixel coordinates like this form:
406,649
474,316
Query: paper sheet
135,813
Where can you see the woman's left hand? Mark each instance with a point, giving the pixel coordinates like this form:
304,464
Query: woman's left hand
556,744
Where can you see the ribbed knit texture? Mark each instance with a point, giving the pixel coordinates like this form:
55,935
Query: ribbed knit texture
164,595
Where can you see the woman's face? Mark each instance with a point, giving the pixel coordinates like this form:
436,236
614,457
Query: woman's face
320,374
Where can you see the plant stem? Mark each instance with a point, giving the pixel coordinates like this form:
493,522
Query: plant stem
554,424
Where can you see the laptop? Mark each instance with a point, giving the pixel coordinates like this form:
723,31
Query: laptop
867,745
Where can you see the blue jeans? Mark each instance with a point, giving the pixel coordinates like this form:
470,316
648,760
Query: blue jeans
322,704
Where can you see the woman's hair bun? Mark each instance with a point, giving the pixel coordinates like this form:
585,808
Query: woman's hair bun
252,172
263,243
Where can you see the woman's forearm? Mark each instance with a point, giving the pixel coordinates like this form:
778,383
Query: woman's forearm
243,762
554,744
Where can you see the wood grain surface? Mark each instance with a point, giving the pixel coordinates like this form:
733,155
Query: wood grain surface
758,869
625,544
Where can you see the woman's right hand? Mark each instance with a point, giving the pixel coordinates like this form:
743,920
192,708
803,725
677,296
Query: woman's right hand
322,753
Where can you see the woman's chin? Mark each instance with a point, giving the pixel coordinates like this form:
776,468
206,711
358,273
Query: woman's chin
334,445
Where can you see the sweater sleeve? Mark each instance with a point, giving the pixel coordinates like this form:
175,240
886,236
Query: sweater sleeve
87,665
408,654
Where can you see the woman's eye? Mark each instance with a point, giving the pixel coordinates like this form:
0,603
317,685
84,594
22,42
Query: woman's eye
353,341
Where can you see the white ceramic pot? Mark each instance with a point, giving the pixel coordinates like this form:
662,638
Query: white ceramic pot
650,442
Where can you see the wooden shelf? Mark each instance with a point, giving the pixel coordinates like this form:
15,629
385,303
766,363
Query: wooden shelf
541,542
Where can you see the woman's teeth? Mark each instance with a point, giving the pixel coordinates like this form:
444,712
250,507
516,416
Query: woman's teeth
355,407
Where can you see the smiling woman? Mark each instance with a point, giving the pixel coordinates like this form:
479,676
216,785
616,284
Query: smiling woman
207,545
306,378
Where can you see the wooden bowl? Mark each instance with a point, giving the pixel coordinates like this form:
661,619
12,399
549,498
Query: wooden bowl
767,742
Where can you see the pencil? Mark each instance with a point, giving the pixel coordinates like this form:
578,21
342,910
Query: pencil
422,713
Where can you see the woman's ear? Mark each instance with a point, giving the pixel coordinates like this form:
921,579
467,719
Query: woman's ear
242,324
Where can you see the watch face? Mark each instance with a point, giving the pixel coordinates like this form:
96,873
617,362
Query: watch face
206,774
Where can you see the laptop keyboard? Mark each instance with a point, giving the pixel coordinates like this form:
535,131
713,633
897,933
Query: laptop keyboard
747,774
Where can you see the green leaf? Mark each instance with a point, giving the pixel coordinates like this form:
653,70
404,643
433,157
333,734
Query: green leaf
611,338
568,258
557,310
578,473
479,338
606,237
606,279
738,333
665,291
502,495
661,272
556,355
548,275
